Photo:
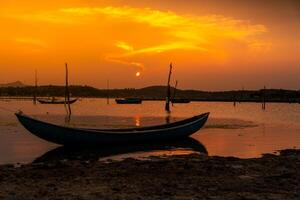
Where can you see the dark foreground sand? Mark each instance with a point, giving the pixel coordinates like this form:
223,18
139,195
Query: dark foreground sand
178,177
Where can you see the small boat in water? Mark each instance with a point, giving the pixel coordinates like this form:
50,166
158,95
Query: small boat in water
86,137
56,101
129,101
180,101
53,100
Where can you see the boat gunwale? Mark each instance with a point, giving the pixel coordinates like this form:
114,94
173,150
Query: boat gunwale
160,126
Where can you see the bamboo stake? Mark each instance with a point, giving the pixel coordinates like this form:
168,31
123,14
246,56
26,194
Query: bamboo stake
35,89
67,94
167,107
264,99
107,92
174,93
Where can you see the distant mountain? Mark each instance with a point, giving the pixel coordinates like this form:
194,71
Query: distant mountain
13,84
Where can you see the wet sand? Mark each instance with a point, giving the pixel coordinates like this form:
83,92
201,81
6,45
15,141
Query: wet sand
195,176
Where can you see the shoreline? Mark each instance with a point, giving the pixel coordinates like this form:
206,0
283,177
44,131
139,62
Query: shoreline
194,176
213,100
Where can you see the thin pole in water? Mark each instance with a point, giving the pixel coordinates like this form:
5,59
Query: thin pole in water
264,99
234,101
67,93
107,92
167,107
35,88
174,93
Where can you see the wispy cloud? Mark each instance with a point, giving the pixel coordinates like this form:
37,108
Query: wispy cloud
162,48
186,31
182,32
130,51
139,66
124,45
184,26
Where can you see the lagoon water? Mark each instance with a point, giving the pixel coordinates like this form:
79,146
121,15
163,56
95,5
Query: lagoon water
243,131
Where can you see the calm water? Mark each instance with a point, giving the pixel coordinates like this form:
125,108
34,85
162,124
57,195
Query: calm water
242,131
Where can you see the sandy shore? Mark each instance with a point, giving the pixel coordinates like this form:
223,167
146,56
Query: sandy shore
176,177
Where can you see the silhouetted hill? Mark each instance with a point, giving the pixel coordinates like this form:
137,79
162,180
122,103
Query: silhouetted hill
13,84
157,93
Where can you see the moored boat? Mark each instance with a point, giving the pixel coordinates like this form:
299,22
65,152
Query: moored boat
180,101
56,101
129,101
83,136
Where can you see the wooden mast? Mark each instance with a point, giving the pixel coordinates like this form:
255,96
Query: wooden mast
167,108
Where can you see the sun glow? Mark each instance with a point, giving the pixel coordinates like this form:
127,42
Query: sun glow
137,74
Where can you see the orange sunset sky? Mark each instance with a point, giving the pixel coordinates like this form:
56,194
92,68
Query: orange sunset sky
214,45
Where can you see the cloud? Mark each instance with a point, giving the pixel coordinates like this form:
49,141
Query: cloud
163,48
182,25
189,31
124,45
114,59
181,32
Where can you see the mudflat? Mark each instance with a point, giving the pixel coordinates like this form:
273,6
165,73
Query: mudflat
194,176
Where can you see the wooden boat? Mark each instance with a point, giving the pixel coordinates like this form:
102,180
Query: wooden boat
180,101
55,101
83,137
129,101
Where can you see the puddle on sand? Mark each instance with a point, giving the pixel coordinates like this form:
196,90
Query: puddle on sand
148,155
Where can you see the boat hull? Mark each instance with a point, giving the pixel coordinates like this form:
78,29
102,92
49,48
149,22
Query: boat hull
83,137
56,101
128,101
180,101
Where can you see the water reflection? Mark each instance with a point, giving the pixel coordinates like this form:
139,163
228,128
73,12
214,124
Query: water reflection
137,121
94,154
244,131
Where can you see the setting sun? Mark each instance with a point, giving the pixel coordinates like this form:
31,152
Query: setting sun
137,74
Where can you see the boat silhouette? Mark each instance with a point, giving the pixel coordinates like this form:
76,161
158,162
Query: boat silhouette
86,137
129,101
56,101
